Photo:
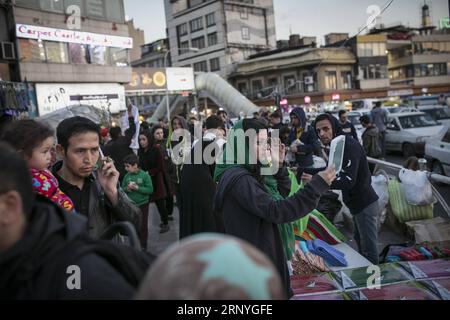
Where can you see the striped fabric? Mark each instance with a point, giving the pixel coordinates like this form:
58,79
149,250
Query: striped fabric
319,227
402,210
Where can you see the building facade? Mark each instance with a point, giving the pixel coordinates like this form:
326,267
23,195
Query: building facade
318,73
153,55
224,32
138,36
74,51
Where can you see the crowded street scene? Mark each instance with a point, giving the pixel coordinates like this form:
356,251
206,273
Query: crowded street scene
196,150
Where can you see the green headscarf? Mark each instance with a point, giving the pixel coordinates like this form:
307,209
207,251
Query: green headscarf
230,155
232,159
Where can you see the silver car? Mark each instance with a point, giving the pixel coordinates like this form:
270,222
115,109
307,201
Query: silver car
408,131
437,152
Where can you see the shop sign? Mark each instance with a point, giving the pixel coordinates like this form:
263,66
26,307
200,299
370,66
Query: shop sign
107,96
72,36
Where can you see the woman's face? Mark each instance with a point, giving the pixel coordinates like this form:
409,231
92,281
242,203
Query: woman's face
260,147
159,135
176,124
143,141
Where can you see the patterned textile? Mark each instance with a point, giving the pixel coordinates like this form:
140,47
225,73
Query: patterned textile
402,210
45,184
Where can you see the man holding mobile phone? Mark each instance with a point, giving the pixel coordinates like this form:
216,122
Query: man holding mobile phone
355,181
89,179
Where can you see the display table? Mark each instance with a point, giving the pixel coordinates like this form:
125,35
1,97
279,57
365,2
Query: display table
353,257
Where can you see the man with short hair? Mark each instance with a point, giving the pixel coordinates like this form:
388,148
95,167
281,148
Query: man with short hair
119,147
355,182
42,247
379,118
91,182
303,142
275,121
226,121
347,127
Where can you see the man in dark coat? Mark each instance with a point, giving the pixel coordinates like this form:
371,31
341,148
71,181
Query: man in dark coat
197,185
355,182
346,126
41,245
302,142
119,147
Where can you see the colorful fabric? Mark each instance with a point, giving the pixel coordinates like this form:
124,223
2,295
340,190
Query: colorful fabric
315,225
307,264
45,184
402,210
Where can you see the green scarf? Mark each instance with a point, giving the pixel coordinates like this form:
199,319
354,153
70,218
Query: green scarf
230,155
231,159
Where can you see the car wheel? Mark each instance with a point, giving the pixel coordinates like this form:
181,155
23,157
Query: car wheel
408,150
436,167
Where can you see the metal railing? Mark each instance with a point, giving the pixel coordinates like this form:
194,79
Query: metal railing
433,177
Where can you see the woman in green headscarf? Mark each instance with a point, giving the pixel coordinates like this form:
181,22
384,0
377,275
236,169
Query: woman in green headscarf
254,205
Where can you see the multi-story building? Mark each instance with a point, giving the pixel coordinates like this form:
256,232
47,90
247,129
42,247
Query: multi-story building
294,73
74,51
153,55
332,38
138,37
372,64
225,32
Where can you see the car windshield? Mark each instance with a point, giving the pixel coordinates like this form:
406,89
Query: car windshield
439,113
417,121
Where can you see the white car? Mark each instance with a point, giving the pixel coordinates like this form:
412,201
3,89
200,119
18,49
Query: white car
440,113
407,132
437,152
399,109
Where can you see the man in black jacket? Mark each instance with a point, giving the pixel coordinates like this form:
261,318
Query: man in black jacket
45,252
90,181
355,182
346,126
119,147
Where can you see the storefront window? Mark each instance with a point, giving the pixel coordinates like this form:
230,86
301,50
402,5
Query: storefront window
56,52
119,57
31,50
99,55
78,53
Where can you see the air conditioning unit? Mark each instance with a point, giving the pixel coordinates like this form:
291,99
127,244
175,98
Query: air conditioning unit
7,51
309,80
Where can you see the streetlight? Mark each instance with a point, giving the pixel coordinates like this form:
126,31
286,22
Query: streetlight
165,66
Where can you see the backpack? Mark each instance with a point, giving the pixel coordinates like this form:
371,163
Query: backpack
374,149
128,262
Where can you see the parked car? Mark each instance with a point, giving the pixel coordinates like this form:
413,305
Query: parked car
407,132
439,113
399,109
437,152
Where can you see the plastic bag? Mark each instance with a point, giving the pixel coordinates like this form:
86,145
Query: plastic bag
417,187
380,184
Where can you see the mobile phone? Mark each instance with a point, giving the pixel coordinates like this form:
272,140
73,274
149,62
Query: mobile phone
100,161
